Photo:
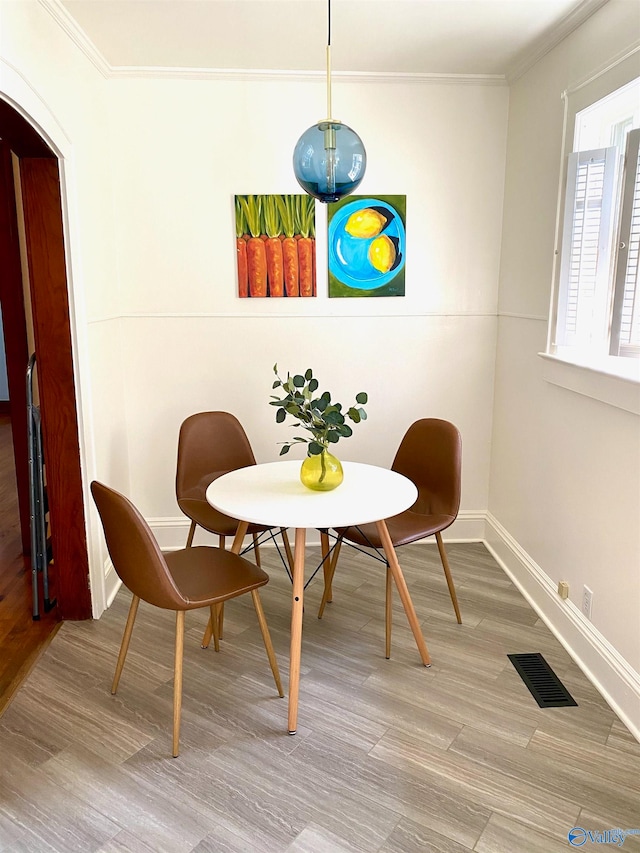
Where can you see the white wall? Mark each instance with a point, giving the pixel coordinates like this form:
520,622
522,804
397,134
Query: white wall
565,471
186,148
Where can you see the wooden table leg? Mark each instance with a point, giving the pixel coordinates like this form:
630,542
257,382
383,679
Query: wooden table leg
297,606
401,584
326,565
238,539
236,548
388,611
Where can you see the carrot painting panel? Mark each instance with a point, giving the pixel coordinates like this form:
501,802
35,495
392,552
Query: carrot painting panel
275,245
367,245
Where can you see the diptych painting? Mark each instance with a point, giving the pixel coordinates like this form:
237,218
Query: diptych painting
275,246
367,246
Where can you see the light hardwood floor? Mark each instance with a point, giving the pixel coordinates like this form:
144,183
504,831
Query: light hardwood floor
389,756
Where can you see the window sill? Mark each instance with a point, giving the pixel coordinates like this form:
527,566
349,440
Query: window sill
595,381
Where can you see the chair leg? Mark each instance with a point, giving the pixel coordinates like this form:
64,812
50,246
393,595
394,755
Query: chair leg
388,602
329,577
267,640
126,637
215,623
177,681
208,632
221,540
287,547
256,550
447,574
214,627
326,567
190,535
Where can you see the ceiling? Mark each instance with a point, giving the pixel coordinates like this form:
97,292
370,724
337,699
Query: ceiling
468,37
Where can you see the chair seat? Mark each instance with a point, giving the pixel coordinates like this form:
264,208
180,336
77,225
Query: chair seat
206,575
403,528
211,520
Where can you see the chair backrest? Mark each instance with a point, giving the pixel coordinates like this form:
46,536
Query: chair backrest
430,454
133,549
209,444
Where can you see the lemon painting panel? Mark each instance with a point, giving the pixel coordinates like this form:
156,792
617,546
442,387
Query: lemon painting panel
367,246
275,245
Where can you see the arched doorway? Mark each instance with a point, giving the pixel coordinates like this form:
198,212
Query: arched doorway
29,170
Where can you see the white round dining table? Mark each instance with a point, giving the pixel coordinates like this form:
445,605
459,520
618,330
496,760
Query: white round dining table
272,494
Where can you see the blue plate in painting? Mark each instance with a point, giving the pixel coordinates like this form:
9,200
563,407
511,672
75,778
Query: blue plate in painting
349,256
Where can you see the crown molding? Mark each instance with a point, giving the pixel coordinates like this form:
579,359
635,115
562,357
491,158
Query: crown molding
77,35
540,48
523,63
257,75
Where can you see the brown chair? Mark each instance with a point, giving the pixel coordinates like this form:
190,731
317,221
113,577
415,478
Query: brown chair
430,454
178,580
211,444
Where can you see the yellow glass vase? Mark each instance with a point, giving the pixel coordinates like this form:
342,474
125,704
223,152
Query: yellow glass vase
322,472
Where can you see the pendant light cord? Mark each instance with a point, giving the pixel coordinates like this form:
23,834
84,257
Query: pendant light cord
329,60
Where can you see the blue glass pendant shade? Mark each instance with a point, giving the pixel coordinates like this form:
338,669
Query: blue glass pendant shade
329,160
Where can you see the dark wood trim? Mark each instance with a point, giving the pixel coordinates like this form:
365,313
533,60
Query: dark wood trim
22,639
19,135
5,407
15,336
40,182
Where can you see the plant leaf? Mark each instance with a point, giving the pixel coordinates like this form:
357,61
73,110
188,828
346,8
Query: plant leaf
334,417
362,397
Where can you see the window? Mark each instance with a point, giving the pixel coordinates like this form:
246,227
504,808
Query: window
598,298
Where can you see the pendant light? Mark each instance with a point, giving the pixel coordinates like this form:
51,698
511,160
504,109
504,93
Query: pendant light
329,159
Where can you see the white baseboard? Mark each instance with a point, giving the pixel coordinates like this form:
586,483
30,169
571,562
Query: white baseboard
171,533
112,583
606,669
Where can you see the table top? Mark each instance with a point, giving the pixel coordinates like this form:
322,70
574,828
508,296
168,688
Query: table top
272,494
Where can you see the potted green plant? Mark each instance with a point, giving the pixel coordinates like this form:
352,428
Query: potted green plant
322,418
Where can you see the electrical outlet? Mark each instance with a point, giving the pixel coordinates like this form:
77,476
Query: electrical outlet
587,601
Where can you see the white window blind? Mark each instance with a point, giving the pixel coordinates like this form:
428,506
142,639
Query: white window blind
625,327
587,247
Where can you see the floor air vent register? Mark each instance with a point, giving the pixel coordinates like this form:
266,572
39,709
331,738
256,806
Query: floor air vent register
542,682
